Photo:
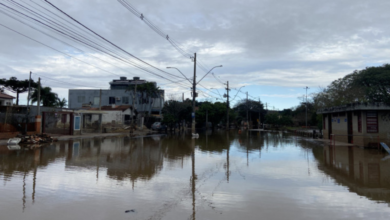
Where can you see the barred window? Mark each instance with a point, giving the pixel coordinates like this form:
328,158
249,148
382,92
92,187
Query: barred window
372,122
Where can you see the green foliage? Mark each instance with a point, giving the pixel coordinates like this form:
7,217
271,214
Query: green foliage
175,111
48,98
368,85
252,107
272,119
216,113
61,103
17,86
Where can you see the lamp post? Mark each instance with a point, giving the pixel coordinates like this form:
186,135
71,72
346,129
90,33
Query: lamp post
194,83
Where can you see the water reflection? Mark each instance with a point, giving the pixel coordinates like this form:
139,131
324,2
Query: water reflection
362,171
199,171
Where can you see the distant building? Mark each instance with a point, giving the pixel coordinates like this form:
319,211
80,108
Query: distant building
362,124
6,100
117,95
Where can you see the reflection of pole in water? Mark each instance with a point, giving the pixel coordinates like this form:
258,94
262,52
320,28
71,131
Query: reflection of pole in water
24,191
193,177
227,164
308,167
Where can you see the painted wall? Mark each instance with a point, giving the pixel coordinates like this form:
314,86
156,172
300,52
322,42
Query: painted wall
78,97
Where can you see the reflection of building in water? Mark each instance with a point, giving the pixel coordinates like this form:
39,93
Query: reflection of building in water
138,158
362,171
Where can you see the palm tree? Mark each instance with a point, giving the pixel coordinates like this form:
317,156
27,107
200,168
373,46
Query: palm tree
48,98
61,103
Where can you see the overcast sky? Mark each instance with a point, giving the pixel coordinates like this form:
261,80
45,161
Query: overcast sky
273,48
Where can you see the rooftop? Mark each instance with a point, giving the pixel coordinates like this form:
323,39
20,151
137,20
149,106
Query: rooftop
5,96
355,107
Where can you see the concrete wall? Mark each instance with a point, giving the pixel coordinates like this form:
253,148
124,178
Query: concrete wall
6,102
112,118
78,97
363,139
340,127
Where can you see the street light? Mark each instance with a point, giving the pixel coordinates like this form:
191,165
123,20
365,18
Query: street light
194,83
179,72
208,73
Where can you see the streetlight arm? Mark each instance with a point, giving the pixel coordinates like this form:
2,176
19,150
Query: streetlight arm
180,72
208,73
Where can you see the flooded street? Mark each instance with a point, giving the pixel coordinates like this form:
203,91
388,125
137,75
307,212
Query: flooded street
218,176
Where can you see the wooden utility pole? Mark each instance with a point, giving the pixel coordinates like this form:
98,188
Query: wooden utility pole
100,100
39,96
193,97
227,105
247,110
306,104
28,102
259,114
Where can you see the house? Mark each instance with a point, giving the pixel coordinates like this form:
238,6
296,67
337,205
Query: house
6,100
114,115
361,124
117,95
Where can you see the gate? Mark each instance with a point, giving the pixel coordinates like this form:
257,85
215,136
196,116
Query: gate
57,122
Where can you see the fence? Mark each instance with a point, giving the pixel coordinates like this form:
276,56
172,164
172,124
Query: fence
16,119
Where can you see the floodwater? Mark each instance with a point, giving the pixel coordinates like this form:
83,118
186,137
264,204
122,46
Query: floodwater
218,176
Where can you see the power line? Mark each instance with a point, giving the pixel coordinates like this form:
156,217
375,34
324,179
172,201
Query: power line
87,44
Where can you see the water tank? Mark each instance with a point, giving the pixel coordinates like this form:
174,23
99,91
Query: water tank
136,78
123,78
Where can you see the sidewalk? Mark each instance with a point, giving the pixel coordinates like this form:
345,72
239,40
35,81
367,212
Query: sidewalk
91,135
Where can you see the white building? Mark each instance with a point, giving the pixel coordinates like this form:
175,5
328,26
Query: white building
6,100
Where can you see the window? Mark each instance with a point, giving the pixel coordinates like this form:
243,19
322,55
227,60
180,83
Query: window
125,100
359,119
80,99
96,100
372,122
111,100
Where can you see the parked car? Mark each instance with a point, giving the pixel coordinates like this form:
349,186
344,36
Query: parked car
158,126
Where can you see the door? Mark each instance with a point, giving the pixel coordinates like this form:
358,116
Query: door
350,128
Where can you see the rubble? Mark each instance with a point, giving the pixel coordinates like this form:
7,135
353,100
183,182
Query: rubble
36,139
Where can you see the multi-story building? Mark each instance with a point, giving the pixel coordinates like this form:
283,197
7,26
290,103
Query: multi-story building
117,95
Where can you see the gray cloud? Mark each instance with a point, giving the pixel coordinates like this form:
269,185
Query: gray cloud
279,43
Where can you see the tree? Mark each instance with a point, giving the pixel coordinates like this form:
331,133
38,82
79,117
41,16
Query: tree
253,107
149,89
216,113
61,103
48,98
272,119
368,85
17,86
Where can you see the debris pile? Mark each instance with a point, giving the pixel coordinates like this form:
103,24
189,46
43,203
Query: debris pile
36,139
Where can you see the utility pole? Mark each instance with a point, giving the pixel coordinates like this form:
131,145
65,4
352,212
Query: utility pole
193,97
39,96
207,120
227,105
306,104
247,110
259,114
28,102
100,100
29,88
